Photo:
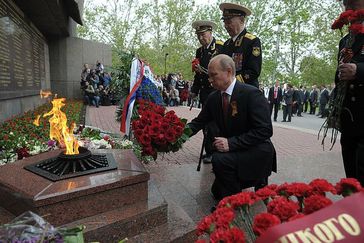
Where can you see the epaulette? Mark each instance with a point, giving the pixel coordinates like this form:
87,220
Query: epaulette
250,36
219,42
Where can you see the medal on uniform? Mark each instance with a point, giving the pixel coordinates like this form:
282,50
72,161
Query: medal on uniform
234,108
256,51
238,59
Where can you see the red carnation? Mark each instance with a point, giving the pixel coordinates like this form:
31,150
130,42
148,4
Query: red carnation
348,186
223,217
207,224
6,137
233,235
320,186
297,216
272,187
298,189
263,221
314,203
241,199
337,24
282,208
265,193
22,153
282,190
357,28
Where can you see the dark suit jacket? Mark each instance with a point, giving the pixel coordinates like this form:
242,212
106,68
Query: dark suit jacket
248,125
288,96
324,97
271,95
352,117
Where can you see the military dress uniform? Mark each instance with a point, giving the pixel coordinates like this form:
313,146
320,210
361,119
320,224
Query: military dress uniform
352,114
201,84
244,49
246,53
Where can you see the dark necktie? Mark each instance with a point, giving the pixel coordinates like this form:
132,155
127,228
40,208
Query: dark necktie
225,104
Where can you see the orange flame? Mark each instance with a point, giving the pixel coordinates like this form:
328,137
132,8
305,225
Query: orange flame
45,93
36,121
58,127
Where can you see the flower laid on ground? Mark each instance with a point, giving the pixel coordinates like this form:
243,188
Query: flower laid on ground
157,130
285,203
20,138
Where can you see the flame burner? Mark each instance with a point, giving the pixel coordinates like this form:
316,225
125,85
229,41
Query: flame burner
66,166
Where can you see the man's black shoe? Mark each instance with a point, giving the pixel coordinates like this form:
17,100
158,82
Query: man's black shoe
283,120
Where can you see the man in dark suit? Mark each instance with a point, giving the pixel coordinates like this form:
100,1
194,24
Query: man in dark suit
274,99
324,99
313,99
243,153
244,48
287,102
349,80
306,98
300,101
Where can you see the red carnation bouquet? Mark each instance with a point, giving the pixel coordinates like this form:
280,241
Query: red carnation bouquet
352,18
157,130
195,64
232,221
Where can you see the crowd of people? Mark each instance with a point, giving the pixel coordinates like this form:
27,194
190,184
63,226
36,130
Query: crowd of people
95,85
294,101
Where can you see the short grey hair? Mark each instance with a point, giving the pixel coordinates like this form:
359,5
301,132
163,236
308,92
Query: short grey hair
225,62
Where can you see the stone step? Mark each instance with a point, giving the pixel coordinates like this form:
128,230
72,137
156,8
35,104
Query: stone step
75,198
125,222
5,216
179,228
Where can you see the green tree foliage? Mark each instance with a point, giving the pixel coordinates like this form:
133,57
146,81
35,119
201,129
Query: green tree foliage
154,28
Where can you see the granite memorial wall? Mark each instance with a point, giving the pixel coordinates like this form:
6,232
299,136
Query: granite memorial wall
22,55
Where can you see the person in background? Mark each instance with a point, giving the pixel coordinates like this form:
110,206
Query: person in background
287,102
301,96
324,99
274,99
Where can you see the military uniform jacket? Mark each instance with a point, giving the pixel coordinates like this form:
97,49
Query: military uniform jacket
201,80
248,125
352,116
246,53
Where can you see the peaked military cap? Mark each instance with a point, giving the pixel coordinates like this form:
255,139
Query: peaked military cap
230,10
203,25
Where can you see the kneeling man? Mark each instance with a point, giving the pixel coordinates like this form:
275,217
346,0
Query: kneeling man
243,153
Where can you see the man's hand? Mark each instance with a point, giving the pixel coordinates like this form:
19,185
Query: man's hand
221,144
347,71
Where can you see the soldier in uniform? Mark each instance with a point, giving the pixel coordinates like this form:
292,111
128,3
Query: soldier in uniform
201,85
350,72
243,47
